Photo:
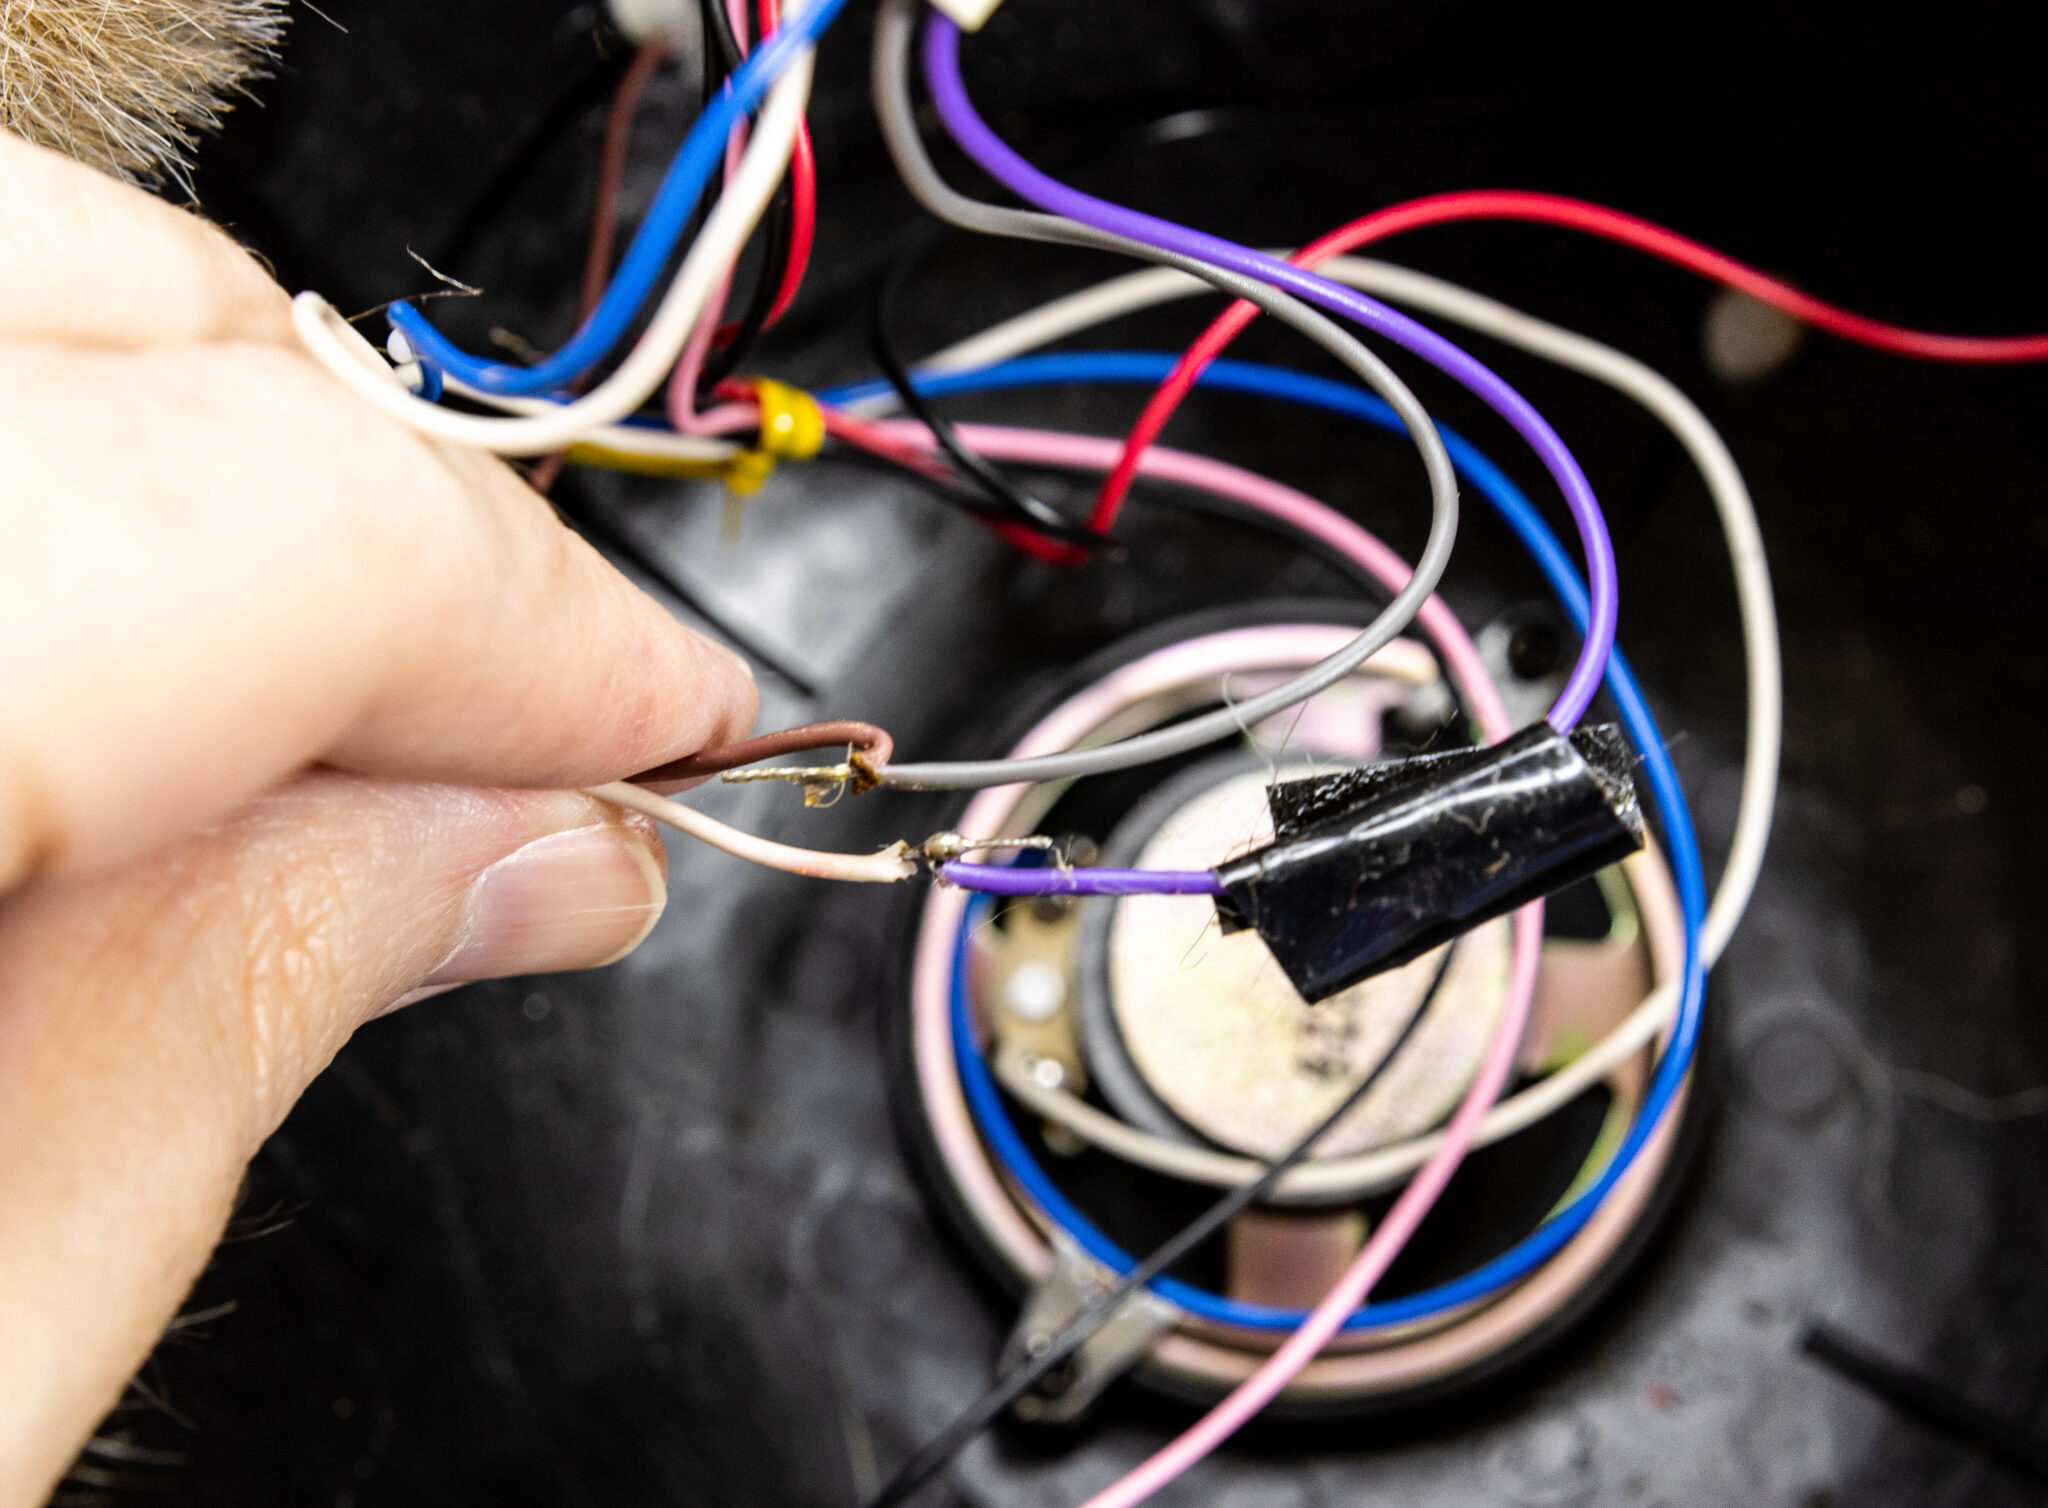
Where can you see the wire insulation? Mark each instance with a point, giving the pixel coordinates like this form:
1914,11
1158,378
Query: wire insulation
893,28
1009,879
933,1456
660,229
542,426
885,868
1624,374
988,151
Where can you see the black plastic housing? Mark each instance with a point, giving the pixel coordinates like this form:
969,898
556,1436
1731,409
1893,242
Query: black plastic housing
1375,866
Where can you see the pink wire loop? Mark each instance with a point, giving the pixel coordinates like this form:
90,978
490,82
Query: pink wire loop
1420,1196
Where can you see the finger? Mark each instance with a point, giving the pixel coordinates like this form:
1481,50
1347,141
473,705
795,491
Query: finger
157,1022
221,567
87,259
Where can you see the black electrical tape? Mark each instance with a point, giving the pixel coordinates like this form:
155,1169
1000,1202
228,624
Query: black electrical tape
1375,866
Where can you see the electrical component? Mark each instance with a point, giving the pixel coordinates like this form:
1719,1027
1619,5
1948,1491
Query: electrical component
1373,867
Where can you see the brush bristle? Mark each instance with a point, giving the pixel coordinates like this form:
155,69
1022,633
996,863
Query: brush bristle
129,85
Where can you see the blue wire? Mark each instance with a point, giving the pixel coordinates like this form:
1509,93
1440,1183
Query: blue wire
641,268
1667,796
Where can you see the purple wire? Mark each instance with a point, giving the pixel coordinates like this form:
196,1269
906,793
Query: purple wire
1003,879
971,133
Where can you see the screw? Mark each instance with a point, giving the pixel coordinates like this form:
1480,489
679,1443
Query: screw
1534,651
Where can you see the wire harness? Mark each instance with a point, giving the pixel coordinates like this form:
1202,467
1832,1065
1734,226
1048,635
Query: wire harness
567,406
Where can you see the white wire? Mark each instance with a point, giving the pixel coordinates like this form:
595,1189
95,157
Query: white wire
1723,478
626,439
885,868
1340,1178
1366,1173
340,348
889,81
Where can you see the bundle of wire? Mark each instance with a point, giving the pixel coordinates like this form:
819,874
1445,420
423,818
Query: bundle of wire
543,411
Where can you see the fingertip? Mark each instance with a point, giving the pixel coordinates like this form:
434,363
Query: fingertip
730,696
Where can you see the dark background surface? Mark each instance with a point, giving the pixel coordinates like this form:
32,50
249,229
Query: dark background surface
644,1237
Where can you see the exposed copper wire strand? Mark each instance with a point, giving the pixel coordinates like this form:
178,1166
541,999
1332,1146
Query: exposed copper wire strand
870,750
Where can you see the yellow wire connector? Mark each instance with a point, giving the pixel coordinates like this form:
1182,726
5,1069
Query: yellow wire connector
792,429
792,424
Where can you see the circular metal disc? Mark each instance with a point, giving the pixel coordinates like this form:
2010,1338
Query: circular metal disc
1223,1039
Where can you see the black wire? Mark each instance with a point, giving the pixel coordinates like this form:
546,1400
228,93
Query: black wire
1014,502
1928,1402
778,240
968,500
718,27
576,511
952,493
977,1416
778,237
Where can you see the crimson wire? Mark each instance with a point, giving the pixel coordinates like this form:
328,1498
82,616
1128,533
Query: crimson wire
803,180
1572,214
803,222
803,225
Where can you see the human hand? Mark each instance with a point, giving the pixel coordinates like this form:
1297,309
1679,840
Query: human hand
292,706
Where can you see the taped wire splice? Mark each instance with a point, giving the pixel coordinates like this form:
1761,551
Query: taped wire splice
1373,867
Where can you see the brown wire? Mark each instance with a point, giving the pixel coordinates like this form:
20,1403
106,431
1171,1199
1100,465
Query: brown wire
871,748
611,171
604,207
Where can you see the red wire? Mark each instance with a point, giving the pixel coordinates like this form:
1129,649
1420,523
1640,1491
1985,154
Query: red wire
803,224
1574,214
803,180
859,432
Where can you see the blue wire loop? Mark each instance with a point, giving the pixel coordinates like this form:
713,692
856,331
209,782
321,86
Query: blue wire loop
654,243
1661,778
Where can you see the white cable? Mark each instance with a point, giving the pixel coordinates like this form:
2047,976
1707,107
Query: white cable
628,439
885,868
1725,486
340,348
1379,1169
1340,1178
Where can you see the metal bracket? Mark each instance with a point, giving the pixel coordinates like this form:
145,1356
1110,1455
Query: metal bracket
1075,1281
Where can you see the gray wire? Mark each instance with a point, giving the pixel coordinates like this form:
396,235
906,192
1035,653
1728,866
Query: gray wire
890,80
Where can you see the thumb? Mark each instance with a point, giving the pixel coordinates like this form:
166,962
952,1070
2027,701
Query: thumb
158,1021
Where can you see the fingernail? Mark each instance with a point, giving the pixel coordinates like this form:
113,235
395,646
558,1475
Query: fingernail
571,900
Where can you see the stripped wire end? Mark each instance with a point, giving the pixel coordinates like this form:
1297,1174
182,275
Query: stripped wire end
945,847
822,783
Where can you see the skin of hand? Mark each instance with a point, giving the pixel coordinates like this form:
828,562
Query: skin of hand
293,706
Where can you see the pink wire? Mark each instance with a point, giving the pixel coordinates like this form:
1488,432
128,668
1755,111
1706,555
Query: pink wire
1420,1196
1095,453
682,382
1371,1264
1054,448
